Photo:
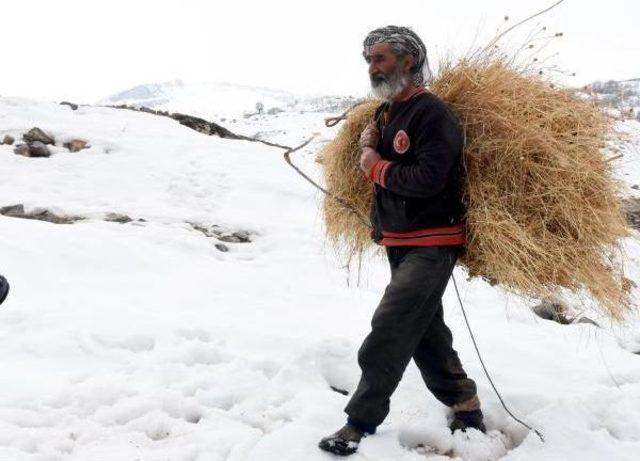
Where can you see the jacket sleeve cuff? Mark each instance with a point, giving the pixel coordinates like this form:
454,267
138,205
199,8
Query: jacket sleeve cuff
378,172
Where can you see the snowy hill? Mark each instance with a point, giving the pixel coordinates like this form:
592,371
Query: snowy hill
214,324
217,101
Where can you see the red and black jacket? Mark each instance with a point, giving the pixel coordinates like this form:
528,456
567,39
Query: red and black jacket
418,181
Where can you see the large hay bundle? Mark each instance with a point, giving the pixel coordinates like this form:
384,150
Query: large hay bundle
544,211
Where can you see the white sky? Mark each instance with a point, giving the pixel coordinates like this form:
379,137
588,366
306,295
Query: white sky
83,50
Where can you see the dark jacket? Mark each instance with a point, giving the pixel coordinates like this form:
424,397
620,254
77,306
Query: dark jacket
418,182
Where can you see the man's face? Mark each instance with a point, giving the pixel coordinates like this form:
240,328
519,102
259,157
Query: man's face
389,74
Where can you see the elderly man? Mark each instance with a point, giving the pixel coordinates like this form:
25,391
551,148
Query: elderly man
412,154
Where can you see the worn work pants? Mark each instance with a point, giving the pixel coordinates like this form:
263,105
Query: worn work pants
408,323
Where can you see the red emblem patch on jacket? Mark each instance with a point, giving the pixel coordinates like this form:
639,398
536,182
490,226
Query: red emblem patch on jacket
401,142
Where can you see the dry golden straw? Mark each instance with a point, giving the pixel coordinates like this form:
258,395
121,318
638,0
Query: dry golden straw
544,211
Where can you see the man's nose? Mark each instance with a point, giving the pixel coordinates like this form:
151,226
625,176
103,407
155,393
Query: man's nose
372,68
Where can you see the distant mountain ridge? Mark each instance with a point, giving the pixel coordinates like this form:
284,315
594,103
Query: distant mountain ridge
216,100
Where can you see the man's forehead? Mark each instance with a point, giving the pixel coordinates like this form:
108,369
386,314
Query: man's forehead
377,48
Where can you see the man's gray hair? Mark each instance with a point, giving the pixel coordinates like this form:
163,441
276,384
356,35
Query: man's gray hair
403,42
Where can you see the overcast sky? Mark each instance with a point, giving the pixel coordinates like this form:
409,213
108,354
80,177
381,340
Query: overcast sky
84,50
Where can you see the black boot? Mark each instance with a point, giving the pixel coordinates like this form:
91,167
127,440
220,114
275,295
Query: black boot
344,442
463,420
4,289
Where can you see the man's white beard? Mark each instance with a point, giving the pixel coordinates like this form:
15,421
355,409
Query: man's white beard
389,89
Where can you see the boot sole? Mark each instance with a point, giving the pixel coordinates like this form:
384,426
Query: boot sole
337,448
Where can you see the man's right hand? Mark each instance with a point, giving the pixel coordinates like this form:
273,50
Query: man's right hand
369,136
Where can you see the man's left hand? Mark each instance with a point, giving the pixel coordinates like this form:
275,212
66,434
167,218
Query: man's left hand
368,158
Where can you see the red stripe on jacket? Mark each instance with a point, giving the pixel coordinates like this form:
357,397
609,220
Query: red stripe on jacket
433,236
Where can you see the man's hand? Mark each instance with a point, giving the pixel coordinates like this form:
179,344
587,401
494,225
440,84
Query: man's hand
368,158
368,142
369,136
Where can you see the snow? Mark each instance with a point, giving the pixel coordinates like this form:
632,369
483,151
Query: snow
144,341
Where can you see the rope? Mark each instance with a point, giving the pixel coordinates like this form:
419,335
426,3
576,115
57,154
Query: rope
341,201
484,368
287,157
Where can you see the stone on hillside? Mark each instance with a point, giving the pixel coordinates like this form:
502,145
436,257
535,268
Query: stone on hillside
117,217
236,237
551,309
222,247
22,149
8,140
40,214
70,104
76,145
36,134
39,149
14,211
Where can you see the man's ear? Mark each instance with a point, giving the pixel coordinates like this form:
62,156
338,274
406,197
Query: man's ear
409,63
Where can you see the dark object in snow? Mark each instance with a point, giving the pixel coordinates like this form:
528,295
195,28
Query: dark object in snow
39,149
13,211
195,123
236,237
635,186
32,149
632,209
463,420
222,247
70,104
552,310
117,217
222,235
339,391
556,311
18,211
76,145
8,140
36,134
344,442
22,149
203,126
211,231
4,289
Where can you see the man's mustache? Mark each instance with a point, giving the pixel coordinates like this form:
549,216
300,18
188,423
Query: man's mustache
377,79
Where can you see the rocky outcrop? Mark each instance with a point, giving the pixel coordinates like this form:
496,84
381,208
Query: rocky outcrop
195,123
40,214
8,140
204,126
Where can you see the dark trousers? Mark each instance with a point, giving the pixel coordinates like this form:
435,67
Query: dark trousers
408,323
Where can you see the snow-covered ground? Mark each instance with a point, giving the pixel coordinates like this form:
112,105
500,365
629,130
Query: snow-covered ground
143,341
